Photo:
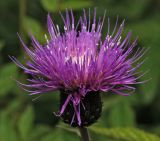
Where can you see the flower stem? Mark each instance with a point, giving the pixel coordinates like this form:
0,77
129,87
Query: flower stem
84,134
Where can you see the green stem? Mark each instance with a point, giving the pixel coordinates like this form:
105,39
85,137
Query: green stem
84,134
22,13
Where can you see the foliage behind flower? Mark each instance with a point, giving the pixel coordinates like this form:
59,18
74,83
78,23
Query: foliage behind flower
78,63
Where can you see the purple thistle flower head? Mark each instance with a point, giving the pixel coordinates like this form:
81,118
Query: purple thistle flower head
79,64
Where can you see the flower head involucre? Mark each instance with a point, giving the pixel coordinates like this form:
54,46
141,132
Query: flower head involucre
79,64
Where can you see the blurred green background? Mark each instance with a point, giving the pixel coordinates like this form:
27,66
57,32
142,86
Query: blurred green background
25,118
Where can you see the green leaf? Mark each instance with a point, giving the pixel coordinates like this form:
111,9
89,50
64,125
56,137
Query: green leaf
75,5
117,112
60,135
13,106
7,129
50,5
121,114
6,83
110,101
65,127
126,134
124,8
34,27
41,131
156,129
25,123
55,5
151,41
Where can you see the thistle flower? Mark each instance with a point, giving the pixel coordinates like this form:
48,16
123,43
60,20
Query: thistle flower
78,63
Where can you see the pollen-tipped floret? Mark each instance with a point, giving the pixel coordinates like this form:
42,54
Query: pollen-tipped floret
77,62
